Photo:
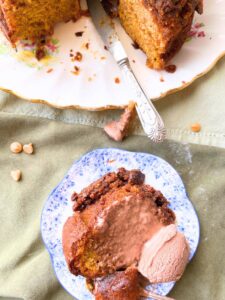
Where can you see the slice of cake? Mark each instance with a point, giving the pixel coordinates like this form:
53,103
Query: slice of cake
113,219
158,27
32,19
165,256
122,285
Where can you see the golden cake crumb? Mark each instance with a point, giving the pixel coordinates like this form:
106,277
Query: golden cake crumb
49,70
78,56
196,127
117,80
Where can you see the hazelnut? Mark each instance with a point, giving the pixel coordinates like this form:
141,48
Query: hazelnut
16,175
196,127
16,147
28,148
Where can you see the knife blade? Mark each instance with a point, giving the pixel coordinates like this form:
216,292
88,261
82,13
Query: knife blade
150,119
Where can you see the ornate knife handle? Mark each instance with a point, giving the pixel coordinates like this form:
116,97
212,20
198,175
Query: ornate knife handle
151,121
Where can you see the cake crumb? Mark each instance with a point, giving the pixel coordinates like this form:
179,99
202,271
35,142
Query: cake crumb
161,79
196,127
76,70
79,33
110,161
49,70
201,34
117,80
171,68
78,56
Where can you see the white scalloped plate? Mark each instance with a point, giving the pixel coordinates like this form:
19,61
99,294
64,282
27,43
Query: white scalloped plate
91,167
53,81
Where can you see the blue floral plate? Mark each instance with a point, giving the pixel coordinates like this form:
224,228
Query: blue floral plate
89,168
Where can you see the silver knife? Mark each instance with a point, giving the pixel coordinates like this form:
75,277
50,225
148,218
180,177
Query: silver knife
151,121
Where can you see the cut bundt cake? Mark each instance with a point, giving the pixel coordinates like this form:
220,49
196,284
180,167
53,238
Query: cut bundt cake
113,218
32,19
158,27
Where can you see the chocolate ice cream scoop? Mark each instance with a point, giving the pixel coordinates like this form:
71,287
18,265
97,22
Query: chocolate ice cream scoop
165,256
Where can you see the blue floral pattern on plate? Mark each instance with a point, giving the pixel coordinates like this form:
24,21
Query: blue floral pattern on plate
91,167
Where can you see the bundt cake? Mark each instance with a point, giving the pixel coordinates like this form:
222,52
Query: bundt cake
158,27
113,218
32,19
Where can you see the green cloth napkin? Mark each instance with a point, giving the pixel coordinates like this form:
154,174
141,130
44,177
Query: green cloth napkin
25,267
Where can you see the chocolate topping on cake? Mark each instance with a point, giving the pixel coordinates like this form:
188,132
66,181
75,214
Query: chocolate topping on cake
110,181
